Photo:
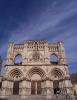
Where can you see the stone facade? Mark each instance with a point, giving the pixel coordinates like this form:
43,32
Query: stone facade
37,73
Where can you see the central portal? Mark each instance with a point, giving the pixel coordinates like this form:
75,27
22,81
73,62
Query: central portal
36,87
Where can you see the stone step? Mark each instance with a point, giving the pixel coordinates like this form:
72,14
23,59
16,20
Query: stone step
38,97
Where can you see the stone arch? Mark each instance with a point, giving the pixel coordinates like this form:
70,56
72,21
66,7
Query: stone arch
15,73
18,58
54,58
36,70
57,76
57,73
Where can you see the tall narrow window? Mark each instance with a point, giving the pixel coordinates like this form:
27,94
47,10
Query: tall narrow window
18,59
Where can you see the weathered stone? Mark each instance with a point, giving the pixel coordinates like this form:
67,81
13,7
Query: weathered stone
36,74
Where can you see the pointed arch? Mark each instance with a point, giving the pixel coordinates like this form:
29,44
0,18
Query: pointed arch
36,70
15,73
57,73
18,59
54,58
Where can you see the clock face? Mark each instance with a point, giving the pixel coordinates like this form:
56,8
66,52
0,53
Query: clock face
36,56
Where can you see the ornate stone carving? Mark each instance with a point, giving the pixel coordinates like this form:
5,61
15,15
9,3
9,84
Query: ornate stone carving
35,62
36,56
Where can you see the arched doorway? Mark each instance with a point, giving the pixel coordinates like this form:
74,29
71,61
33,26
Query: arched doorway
36,87
36,75
56,87
15,74
36,84
16,88
57,76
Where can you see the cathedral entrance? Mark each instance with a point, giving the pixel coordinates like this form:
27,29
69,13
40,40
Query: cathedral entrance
56,87
36,75
16,88
36,88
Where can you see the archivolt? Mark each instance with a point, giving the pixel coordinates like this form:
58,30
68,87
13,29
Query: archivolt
57,73
36,70
15,73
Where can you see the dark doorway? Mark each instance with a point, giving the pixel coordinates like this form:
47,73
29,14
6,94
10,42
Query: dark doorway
16,88
36,87
56,86
0,85
39,90
33,87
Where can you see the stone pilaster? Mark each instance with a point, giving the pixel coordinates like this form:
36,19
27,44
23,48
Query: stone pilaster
25,88
69,86
7,87
25,54
43,86
62,56
49,88
9,59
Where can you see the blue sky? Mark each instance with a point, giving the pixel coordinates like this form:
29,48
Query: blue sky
53,20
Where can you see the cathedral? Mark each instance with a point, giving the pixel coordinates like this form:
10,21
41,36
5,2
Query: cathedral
35,67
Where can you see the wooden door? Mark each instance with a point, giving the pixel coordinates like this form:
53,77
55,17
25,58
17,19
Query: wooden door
16,88
56,86
33,87
39,90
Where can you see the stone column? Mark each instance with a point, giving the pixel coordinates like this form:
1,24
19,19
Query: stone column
69,87
25,54
22,90
52,91
9,59
49,88
36,88
62,86
25,88
10,88
62,55
28,86
6,88
43,86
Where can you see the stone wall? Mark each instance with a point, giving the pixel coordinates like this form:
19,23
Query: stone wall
36,60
